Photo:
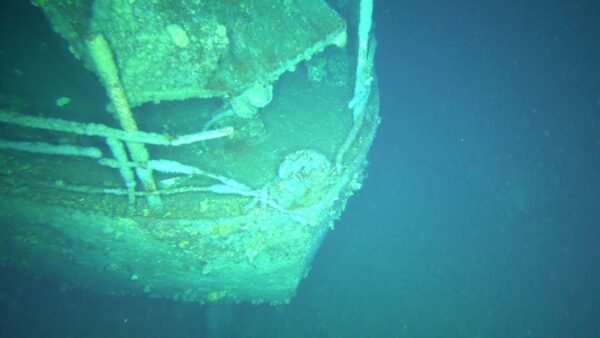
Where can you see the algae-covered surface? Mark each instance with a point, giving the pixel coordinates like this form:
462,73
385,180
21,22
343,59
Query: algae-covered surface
251,155
248,220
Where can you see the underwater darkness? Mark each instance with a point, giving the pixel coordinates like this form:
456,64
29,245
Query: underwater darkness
480,216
